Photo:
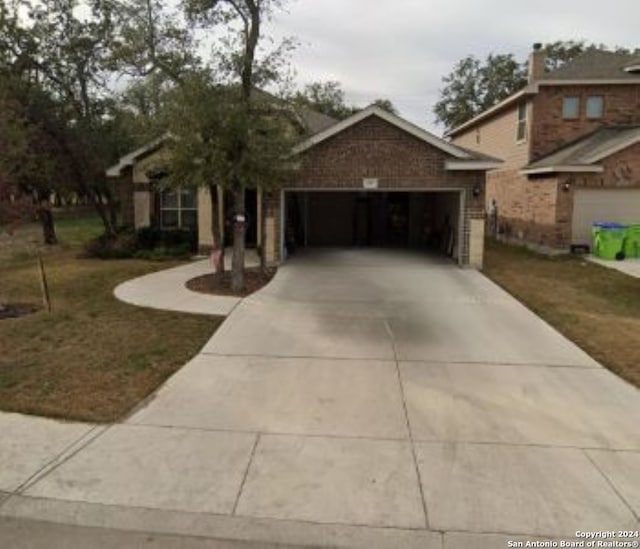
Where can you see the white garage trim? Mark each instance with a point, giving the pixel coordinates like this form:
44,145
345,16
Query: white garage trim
591,205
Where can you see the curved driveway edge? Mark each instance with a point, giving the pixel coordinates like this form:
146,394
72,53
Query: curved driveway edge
167,290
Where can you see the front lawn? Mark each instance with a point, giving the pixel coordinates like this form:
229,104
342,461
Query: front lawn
93,358
596,307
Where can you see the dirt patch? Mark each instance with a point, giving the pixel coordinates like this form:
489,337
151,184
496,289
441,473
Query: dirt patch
14,310
254,279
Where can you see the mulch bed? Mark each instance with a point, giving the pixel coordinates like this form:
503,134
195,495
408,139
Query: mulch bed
254,279
14,310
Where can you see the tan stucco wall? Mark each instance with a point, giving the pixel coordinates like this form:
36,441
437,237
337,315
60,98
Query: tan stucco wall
497,137
142,209
205,237
476,243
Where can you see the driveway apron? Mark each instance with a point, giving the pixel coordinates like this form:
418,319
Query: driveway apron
381,389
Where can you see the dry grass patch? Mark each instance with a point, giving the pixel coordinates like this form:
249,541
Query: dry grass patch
93,358
596,307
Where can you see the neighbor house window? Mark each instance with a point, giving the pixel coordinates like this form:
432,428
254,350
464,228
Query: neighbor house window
521,132
571,107
178,209
595,106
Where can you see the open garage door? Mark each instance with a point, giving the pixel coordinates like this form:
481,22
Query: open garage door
398,219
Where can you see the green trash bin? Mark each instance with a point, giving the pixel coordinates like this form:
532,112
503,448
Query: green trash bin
632,241
608,239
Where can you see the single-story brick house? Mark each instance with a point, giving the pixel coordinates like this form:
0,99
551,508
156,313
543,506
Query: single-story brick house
373,179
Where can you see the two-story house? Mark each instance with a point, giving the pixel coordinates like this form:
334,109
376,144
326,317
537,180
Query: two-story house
570,142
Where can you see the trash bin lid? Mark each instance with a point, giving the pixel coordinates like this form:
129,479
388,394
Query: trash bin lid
609,225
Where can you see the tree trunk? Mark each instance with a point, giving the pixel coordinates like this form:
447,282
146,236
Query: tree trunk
239,229
217,253
109,228
46,221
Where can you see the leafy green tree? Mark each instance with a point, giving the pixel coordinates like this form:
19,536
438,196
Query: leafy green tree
251,130
328,98
474,86
325,97
70,59
385,105
205,120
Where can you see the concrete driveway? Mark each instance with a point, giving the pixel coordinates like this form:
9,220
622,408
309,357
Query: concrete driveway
366,398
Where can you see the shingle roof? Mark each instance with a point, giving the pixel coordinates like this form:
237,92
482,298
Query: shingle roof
588,150
313,120
596,65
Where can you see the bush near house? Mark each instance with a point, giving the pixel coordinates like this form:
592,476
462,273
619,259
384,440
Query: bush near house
145,243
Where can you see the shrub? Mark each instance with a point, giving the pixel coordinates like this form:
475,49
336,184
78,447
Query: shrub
145,243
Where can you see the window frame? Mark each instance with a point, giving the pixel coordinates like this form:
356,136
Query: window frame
577,109
586,106
179,208
521,124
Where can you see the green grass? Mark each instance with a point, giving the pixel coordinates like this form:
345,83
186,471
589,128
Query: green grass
93,358
596,307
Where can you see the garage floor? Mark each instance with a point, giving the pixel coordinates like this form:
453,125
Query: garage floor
374,399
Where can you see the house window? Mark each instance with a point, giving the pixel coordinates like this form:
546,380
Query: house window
178,209
521,132
571,107
595,106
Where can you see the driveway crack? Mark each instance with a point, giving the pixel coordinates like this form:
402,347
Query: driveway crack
408,423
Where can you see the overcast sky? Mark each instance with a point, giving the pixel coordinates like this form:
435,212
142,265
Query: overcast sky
401,49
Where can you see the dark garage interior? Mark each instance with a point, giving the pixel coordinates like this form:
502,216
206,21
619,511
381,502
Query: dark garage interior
395,219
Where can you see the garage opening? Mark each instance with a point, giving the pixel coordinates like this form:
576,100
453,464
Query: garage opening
385,219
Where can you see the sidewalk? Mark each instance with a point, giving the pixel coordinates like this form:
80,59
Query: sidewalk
629,267
166,290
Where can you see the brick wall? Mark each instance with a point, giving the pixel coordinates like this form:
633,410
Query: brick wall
527,208
550,131
375,148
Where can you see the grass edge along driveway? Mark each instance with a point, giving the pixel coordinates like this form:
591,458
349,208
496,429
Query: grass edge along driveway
595,307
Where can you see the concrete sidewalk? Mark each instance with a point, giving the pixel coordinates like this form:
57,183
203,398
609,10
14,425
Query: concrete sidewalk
630,267
166,289
361,399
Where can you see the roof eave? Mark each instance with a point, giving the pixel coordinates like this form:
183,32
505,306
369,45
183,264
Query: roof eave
587,81
531,89
471,165
128,160
567,168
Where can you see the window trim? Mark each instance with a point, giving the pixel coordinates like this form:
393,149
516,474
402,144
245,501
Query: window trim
178,208
522,115
577,115
586,107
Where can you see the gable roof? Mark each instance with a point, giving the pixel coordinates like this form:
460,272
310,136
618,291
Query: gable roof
462,156
129,160
584,154
591,67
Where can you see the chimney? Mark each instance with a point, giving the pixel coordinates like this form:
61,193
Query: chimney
536,62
